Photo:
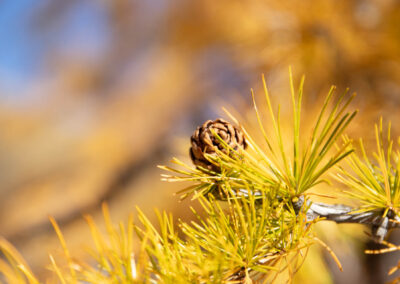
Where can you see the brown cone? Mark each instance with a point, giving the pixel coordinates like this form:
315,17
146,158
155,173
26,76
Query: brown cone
204,142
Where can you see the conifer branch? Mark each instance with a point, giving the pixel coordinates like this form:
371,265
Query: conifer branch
339,213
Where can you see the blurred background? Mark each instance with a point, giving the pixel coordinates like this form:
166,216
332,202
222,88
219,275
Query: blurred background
95,93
